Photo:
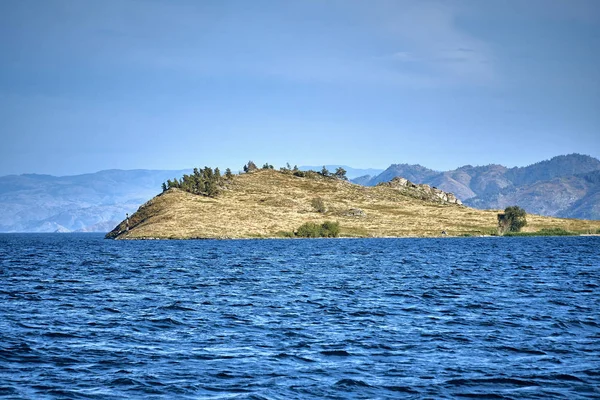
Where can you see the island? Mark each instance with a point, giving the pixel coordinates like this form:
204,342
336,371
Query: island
269,203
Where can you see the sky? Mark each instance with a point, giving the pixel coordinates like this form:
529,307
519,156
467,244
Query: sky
88,85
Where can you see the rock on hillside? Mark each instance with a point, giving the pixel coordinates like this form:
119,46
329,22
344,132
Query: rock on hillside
421,191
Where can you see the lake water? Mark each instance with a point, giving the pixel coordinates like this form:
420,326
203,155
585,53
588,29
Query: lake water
84,317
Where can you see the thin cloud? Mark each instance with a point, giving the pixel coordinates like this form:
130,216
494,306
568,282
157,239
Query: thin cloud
426,46
429,34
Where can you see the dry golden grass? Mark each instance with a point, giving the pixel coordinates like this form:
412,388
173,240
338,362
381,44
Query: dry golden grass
265,203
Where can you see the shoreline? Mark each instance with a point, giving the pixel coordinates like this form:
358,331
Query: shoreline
353,237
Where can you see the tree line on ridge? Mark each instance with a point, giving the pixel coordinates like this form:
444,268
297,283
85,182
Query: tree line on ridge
209,181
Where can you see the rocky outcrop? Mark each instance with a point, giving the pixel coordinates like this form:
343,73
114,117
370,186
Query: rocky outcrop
422,191
355,212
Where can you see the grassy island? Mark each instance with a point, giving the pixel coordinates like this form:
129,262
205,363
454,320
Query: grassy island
266,203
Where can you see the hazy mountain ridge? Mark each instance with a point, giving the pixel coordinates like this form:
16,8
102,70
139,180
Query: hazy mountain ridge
559,166
576,196
564,186
590,203
88,202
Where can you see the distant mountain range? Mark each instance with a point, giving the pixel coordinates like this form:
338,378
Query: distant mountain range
564,186
85,203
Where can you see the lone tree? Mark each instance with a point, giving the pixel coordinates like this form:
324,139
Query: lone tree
340,173
250,167
512,220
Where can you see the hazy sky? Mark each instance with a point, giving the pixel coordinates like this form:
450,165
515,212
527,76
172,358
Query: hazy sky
167,84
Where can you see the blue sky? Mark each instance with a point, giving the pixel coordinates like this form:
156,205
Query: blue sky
91,85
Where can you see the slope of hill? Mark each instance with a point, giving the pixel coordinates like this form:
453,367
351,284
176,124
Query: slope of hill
576,196
89,202
589,204
362,180
555,187
565,192
267,203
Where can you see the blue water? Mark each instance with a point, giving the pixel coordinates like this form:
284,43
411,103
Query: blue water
84,317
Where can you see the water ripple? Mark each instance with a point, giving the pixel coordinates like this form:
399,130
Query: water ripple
83,317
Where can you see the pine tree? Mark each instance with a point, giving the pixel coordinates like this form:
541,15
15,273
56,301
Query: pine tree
251,167
340,173
211,188
200,186
208,173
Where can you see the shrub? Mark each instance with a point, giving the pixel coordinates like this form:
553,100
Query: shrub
326,229
309,230
319,205
512,220
285,234
330,229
